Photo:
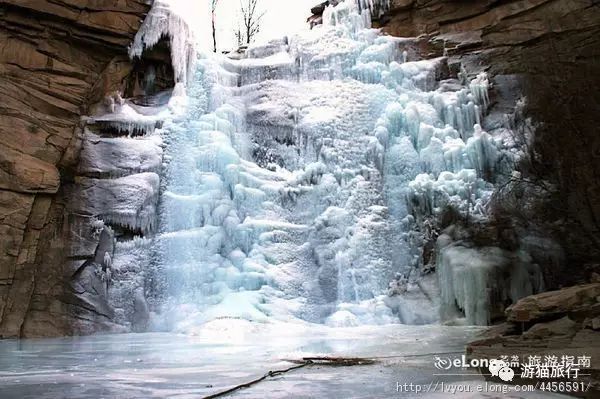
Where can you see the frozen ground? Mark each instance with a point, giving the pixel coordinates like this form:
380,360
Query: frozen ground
228,352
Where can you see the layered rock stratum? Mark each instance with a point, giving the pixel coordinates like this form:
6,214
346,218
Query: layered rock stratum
56,59
555,323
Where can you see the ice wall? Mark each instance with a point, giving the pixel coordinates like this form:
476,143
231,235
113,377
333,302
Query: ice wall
115,196
115,199
475,279
272,208
298,183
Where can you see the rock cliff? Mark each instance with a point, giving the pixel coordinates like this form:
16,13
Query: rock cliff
57,58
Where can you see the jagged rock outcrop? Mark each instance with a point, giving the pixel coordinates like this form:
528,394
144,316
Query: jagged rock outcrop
56,59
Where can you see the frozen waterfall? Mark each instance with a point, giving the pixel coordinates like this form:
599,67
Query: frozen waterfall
297,181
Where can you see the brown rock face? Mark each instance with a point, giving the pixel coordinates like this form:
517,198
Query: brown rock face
56,58
550,305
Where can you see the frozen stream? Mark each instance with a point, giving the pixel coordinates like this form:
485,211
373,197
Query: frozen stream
226,353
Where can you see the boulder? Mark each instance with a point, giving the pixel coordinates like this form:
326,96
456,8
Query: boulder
24,173
555,304
559,323
564,327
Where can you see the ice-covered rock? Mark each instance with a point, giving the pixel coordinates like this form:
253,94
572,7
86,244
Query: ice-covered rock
130,271
116,157
129,201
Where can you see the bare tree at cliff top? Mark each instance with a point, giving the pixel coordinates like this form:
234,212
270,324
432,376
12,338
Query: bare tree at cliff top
250,20
213,10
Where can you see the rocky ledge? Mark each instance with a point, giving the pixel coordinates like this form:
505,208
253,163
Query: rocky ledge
556,323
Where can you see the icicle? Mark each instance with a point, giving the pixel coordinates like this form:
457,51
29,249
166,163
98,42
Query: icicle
454,154
480,87
482,153
433,156
161,22
471,279
107,260
127,120
465,192
131,201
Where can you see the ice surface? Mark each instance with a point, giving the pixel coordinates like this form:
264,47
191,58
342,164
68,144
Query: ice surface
229,352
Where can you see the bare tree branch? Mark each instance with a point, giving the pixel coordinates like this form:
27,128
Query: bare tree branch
251,21
214,29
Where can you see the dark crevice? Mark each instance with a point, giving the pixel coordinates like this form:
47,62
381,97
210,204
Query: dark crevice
152,72
123,234
113,129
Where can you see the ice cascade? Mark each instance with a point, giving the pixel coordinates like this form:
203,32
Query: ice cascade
294,180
